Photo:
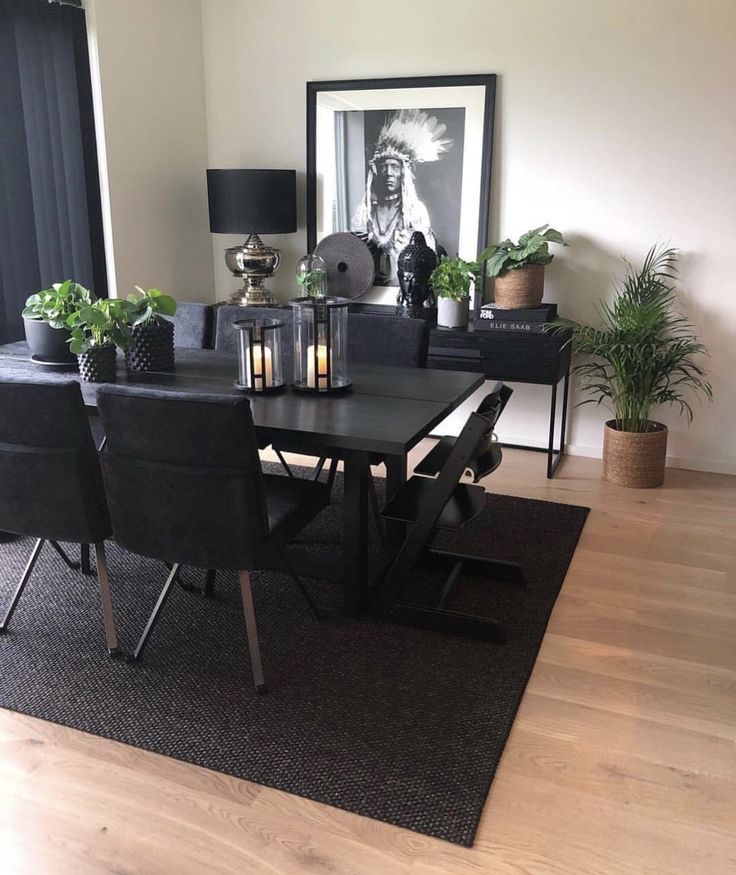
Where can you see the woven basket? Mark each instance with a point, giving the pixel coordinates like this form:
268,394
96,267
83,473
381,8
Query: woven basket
519,288
634,459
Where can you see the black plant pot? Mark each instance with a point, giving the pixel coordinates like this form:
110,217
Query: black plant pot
48,344
98,364
152,347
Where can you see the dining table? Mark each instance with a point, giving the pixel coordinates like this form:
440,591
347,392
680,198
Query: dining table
386,411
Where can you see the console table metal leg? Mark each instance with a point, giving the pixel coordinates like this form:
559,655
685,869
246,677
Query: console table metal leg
554,457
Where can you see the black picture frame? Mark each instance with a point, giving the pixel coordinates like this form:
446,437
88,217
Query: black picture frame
484,80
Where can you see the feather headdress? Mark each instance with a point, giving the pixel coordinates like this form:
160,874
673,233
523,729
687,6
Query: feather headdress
412,136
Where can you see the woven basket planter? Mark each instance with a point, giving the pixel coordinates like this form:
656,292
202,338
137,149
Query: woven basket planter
634,459
519,288
98,364
152,347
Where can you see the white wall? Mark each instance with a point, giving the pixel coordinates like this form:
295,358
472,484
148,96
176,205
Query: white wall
614,123
148,75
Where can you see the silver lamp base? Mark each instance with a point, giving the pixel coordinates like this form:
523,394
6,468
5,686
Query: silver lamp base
255,263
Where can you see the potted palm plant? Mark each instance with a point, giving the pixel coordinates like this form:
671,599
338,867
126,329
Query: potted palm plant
643,355
451,282
151,346
97,330
45,321
518,268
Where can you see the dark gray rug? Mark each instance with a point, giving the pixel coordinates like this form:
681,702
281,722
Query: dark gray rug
401,725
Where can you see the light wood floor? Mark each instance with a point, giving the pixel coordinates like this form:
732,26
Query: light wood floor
622,758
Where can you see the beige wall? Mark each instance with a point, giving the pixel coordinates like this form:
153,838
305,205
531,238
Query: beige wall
150,103
614,122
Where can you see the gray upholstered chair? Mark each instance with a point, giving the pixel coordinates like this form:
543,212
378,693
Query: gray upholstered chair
184,485
51,482
192,325
388,340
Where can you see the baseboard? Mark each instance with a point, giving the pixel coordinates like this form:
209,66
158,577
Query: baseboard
708,466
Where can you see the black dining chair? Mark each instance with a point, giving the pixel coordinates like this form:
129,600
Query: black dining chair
193,325
436,499
50,481
184,485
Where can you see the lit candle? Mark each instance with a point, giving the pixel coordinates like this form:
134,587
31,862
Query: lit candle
258,370
321,367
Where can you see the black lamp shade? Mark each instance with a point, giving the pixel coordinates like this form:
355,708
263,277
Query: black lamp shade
252,201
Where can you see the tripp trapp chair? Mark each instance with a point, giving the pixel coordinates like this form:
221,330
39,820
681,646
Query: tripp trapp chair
435,499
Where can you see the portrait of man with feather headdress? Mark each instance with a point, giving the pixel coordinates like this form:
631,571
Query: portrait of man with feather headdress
391,208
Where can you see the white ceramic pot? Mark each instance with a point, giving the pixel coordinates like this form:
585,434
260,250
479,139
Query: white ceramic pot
452,313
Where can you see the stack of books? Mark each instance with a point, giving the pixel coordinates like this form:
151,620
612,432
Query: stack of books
533,319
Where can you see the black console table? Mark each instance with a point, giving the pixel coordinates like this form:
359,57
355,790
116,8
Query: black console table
513,356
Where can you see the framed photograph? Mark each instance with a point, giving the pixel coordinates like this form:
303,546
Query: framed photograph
387,157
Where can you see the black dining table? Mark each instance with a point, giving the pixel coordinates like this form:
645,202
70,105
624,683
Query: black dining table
388,410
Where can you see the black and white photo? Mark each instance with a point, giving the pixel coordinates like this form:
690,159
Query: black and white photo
390,157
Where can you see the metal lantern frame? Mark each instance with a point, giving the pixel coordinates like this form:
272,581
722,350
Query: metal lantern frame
263,335
321,323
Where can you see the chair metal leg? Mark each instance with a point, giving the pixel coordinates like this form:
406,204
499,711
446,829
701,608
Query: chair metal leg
209,583
138,652
283,462
67,561
318,469
103,579
22,585
84,552
252,632
331,475
300,584
376,510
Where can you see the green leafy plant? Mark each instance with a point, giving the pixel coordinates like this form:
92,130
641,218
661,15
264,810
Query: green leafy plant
150,306
105,322
311,282
453,277
532,248
644,354
56,305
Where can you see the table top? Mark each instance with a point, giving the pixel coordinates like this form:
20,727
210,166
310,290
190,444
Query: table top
388,410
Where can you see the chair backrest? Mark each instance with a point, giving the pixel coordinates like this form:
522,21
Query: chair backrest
183,477
50,480
388,340
192,325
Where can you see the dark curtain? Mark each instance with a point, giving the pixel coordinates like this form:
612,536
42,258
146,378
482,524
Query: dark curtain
50,213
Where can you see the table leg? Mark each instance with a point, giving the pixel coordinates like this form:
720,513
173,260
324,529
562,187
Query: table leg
554,457
395,479
355,531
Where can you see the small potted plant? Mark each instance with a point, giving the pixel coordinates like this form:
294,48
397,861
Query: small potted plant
311,275
451,282
97,330
518,268
642,356
152,336
45,320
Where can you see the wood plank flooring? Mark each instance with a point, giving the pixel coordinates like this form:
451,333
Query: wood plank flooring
622,760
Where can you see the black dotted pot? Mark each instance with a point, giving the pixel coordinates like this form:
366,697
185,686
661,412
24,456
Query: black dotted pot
98,364
152,347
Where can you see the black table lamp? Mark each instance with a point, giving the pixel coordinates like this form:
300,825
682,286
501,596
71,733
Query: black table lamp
252,202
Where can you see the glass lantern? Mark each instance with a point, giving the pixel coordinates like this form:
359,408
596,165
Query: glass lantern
259,355
321,344
311,274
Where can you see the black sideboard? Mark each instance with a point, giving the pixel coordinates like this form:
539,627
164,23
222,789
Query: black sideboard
512,356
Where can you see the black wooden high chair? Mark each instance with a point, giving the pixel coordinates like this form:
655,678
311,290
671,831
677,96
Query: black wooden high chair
435,499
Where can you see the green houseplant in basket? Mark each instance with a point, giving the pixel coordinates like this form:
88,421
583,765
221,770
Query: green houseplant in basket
643,355
97,330
518,268
45,321
451,282
152,336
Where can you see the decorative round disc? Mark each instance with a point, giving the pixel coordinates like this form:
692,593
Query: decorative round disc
350,266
